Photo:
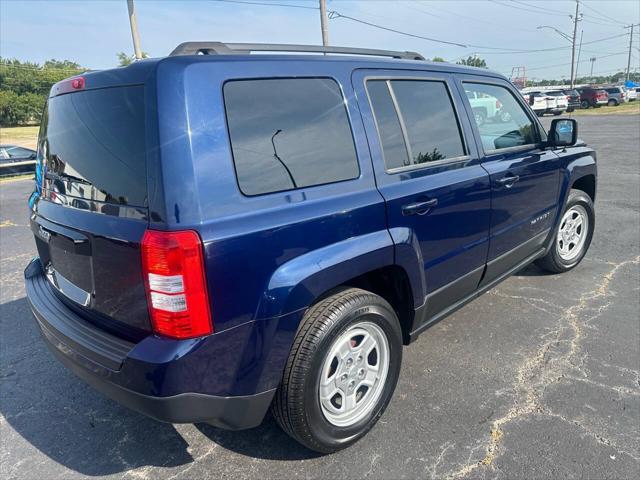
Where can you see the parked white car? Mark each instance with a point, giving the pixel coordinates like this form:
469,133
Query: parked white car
487,108
539,102
562,103
632,93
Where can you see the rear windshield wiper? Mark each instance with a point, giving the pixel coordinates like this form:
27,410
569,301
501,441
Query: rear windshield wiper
65,176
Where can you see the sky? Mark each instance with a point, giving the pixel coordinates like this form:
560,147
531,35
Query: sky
503,32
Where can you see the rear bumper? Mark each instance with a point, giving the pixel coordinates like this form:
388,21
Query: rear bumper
117,367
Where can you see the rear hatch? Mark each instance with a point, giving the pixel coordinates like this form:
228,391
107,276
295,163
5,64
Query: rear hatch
92,212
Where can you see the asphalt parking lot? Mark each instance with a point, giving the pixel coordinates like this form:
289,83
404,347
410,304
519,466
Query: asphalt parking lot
539,378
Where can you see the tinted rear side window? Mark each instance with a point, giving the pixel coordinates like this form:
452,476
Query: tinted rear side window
389,129
428,116
93,144
289,133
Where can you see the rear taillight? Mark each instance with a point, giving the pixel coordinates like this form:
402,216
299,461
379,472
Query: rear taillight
173,269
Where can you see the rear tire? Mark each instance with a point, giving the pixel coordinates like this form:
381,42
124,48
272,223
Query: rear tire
573,236
333,392
584,104
612,103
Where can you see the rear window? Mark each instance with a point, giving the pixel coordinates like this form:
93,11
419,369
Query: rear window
93,145
288,134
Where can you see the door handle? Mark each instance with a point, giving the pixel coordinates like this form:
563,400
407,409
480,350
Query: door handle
508,182
419,208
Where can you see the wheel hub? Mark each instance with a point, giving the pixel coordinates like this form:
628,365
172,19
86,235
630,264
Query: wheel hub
572,232
353,374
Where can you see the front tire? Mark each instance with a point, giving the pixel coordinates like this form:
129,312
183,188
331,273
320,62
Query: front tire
574,234
480,116
342,370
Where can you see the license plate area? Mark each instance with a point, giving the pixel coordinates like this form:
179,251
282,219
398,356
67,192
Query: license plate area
66,258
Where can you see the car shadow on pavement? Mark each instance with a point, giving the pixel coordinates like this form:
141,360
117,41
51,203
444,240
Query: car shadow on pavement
266,441
532,270
84,431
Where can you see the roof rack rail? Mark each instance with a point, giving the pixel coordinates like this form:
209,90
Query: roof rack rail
219,48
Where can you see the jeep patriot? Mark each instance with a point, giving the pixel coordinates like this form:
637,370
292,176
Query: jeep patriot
221,233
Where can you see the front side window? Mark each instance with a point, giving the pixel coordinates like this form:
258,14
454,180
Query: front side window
289,133
505,123
425,111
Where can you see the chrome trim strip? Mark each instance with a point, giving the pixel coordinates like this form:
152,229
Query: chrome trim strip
403,127
67,288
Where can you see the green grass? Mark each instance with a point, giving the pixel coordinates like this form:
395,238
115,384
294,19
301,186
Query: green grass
23,136
628,108
16,177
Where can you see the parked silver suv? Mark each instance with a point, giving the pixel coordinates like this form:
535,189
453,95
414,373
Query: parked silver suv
617,96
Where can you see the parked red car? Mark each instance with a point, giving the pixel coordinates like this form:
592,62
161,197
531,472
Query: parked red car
591,97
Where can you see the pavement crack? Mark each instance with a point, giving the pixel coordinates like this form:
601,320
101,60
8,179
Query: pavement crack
547,365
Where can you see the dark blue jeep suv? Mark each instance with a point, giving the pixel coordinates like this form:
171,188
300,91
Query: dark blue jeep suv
220,233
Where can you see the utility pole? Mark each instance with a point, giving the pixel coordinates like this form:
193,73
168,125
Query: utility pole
323,23
630,45
579,52
573,44
134,29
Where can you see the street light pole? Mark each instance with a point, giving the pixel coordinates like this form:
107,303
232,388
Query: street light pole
561,33
135,35
323,23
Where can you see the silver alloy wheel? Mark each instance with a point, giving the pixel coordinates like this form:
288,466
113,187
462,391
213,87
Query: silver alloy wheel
353,374
572,235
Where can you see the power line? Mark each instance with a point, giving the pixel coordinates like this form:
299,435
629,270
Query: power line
542,11
577,63
602,15
553,49
333,14
501,50
45,69
546,9
268,4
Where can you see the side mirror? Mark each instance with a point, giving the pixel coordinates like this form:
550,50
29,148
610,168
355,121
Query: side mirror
563,132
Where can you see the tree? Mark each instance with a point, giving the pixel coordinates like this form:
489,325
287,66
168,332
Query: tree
124,59
473,61
24,87
438,59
